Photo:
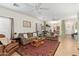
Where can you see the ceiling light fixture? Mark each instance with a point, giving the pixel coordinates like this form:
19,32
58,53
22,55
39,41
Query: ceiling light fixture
15,4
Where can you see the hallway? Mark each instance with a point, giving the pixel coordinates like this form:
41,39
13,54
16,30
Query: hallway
67,47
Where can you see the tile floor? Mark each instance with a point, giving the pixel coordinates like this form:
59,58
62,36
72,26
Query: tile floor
67,47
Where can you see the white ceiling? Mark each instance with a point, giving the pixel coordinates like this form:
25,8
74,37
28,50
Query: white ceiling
45,11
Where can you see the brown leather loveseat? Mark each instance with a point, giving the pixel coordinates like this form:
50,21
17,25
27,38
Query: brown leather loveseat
9,49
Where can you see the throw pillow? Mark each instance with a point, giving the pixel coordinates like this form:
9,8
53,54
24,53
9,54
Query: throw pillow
25,36
34,34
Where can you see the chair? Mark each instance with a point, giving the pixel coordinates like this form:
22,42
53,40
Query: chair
7,50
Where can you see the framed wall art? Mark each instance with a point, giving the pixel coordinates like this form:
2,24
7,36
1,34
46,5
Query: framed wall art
26,24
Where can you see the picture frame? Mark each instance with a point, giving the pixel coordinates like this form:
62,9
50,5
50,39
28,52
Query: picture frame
26,24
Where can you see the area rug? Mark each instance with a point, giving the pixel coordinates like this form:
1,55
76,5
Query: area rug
47,49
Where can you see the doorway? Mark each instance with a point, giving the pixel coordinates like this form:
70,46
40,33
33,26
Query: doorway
70,26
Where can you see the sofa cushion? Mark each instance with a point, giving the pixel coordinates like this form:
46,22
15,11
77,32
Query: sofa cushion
10,46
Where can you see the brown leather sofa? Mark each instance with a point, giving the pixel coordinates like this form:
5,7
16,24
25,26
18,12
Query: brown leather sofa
9,49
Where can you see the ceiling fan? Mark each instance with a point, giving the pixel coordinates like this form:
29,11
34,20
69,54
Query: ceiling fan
35,7
40,9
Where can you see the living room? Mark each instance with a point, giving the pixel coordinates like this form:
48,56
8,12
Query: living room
28,29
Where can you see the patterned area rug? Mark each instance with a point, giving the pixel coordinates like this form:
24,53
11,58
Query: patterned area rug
47,49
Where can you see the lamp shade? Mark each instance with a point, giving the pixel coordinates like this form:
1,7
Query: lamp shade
2,35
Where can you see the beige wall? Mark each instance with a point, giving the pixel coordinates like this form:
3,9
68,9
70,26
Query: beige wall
18,20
